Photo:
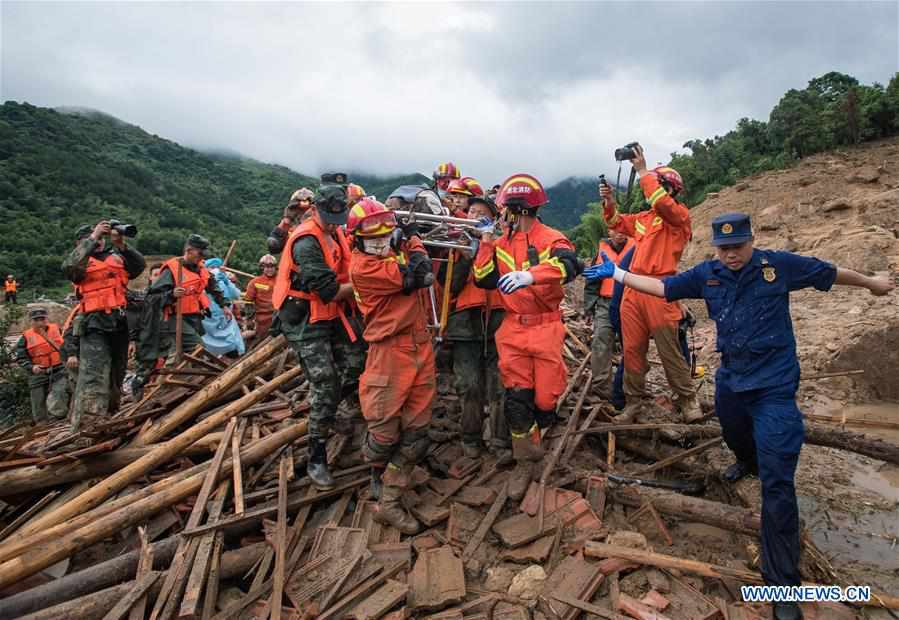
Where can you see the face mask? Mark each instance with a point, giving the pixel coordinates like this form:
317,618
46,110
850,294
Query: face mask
378,246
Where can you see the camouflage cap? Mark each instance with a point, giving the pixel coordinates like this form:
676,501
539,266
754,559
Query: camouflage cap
83,231
304,193
330,202
38,313
200,243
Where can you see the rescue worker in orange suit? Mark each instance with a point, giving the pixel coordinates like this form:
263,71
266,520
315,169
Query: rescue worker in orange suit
354,193
10,289
597,304
298,209
399,384
100,266
185,281
259,292
38,352
661,233
475,316
529,264
316,313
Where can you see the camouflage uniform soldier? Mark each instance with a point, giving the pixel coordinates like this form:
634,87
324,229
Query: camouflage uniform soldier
100,266
38,353
159,314
316,313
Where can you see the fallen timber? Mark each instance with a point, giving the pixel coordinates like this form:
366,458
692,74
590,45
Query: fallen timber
262,542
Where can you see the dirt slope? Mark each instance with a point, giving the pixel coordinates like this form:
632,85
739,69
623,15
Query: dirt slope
843,207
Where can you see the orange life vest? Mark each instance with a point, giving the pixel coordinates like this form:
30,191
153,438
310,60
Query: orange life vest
194,300
11,286
471,296
607,285
104,284
336,252
40,349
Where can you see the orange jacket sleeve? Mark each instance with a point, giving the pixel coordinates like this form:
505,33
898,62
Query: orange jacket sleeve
250,292
557,266
624,223
670,210
485,263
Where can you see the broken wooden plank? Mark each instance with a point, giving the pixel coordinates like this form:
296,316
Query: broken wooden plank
137,591
381,601
436,580
190,602
362,589
237,468
486,523
280,542
680,456
144,567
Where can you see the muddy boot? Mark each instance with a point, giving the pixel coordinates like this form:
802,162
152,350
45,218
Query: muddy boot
391,511
787,611
520,479
632,410
471,450
689,409
374,489
526,450
317,467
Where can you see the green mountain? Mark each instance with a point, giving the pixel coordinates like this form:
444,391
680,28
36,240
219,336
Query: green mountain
568,201
62,169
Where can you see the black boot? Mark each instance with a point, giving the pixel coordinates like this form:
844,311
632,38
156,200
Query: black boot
740,470
374,489
787,611
317,468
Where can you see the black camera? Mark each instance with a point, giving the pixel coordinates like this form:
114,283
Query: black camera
626,152
336,178
126,230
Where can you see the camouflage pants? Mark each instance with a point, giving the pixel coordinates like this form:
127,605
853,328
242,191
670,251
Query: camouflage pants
190,338
332,366
102,361
49,393
476,381
602,345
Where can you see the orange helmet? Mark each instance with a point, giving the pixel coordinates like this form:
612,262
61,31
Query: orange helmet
354,193
670,177
370,218
474,188
521,193
458,186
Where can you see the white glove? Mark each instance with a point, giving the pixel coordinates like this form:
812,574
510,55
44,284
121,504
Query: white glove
515,280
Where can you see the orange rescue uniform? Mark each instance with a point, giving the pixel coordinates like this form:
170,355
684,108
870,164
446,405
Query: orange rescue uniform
607,285
529,341
398,387
259,291
661,235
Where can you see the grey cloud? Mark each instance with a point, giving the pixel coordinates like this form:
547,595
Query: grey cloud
550,88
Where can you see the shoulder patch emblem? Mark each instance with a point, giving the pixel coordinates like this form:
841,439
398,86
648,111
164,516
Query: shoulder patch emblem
713,282
768,274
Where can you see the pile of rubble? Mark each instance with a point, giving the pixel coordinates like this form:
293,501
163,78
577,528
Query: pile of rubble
193,504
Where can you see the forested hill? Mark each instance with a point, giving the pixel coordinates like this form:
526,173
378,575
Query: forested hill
60,170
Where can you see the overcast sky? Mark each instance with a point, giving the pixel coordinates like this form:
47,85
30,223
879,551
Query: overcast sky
546,88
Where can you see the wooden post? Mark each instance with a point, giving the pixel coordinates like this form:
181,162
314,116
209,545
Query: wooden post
228,253
196,403
161,454
179,327
447,285
280,543
52,552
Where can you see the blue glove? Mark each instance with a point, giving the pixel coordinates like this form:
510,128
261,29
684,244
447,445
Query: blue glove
485,225
600,271
515,280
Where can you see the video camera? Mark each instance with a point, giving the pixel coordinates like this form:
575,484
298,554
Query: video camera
626,152
126,230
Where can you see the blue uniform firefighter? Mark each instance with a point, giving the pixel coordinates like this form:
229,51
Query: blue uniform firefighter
747,293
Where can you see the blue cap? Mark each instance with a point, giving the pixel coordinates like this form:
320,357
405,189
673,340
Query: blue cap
731,229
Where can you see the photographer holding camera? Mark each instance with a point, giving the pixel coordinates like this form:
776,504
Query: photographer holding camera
661,233
100,267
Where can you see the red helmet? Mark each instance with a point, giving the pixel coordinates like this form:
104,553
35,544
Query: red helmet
458,186
370,218
671,177
354,193
444,173
474,188
521,193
